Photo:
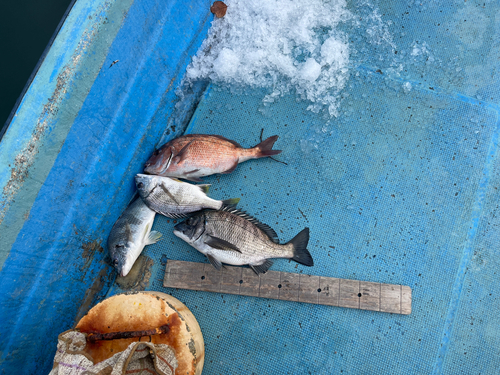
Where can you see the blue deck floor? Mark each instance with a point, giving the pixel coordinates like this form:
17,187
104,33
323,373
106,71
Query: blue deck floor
401,188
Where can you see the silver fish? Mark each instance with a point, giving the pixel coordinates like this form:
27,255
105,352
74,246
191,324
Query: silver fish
174,198
130,234
233,237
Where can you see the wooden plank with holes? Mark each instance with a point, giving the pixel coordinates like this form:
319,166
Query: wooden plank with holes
288,286
370,296
212,279
249,284
290,283
230,281
269,285
308,290
349,293
329,291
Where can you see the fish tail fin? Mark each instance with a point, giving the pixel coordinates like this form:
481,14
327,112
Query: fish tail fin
230,203
265,148
300,253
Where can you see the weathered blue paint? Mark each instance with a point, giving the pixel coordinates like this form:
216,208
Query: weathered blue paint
402,188
49,107
55,268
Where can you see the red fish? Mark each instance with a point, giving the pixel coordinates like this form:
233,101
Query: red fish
196,155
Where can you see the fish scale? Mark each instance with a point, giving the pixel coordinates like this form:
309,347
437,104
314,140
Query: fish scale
236,229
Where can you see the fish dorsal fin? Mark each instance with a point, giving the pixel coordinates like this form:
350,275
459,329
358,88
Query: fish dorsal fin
204,188
264,227
227,140
220,244
175,216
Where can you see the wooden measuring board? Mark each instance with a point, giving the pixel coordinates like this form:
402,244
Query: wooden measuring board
287,286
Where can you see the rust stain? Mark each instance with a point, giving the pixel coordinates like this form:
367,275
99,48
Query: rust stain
96,336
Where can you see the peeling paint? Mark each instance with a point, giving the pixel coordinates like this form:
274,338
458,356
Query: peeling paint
24,160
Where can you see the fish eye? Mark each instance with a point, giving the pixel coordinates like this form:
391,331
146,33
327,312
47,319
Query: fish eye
140,185
115,262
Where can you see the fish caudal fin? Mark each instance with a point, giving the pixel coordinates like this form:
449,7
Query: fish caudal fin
265,148
230,203
300,253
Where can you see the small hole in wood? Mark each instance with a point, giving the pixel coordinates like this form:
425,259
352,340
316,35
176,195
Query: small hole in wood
279,286
203,277
319,290
241,281
359,294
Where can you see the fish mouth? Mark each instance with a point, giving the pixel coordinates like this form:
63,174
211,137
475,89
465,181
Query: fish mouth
142,179
154,168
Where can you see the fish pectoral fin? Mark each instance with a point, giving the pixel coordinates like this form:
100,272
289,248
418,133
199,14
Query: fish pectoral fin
204,188
261,268
182,154
230,170
164,188
194,179
214,262
153,237
174,215
220,244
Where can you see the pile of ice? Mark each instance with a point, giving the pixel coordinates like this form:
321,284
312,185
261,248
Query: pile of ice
281,45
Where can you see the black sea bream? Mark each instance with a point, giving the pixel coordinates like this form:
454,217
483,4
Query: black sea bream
233,237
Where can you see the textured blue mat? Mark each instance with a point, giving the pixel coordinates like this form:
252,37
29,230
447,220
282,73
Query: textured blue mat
391,195
400,188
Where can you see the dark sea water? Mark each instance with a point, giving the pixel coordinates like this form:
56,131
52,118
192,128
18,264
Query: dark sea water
26,27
